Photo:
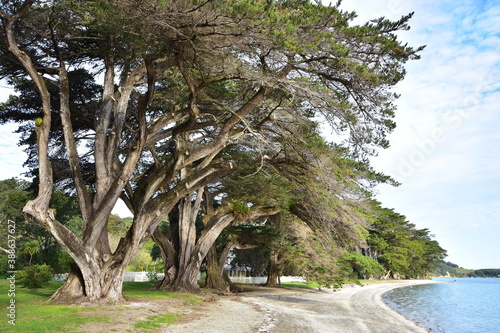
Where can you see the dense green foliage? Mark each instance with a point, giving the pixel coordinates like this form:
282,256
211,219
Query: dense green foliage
401,248
36,276
486,272
357,265
34,245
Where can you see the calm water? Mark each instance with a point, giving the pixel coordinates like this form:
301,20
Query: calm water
464,306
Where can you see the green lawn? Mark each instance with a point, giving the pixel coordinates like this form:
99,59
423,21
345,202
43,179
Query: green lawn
34,314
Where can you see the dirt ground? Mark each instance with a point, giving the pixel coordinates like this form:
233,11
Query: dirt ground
122,318
352,309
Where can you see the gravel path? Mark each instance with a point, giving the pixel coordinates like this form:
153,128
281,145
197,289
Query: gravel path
353,309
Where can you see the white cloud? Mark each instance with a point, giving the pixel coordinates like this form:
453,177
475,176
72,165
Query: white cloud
446,148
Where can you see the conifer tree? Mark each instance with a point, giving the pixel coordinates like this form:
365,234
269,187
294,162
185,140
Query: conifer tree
136,100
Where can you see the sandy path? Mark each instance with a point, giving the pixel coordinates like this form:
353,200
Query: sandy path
354,309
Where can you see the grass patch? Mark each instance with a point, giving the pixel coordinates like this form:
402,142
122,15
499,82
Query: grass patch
314,285
302,285
379,281
34,314
141,290
156,322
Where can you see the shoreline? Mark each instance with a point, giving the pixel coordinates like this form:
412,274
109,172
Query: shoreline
394,307
353,309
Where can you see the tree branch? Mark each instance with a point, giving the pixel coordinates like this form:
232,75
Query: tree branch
73,157
42,130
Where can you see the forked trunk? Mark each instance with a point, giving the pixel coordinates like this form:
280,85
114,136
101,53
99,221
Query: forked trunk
183,275
183,245
189,262
97,275
193,253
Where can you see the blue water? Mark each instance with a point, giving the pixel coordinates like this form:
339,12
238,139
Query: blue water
464,306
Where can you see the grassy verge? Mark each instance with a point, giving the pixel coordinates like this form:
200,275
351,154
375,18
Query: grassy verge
156,322
141,289
34,314
314,285
302,285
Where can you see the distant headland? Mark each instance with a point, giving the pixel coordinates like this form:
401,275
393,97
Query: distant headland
449,269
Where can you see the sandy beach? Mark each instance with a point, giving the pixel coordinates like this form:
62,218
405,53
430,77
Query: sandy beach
353,309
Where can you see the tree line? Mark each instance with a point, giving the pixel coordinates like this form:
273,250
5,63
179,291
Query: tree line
204,119
453,270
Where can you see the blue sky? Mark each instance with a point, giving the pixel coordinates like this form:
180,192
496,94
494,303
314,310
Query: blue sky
446,148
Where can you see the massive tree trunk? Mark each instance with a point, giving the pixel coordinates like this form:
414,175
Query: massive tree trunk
96,286
215,272
97,275
217,277
186,277
190,251
188,257
276,267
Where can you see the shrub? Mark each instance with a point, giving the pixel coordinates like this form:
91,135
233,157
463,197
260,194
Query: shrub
36,276
153,277
357,264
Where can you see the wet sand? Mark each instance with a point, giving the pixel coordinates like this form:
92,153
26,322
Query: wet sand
353,309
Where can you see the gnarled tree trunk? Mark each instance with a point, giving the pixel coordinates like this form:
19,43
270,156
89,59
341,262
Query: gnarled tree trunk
276,267
189,251
97,275
92,286
217,277
215,272
168,254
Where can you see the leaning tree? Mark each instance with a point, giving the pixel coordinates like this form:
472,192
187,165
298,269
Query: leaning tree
136,100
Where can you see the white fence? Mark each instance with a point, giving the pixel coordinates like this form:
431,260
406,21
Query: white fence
249,279
300,279
143,277
263,279
127,277
139,276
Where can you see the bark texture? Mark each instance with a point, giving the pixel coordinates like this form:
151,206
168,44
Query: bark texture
273,272
215,273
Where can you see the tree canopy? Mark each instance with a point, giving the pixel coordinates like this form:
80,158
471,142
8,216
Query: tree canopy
400,247
139,100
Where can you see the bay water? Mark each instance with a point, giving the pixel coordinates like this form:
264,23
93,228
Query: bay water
460,305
